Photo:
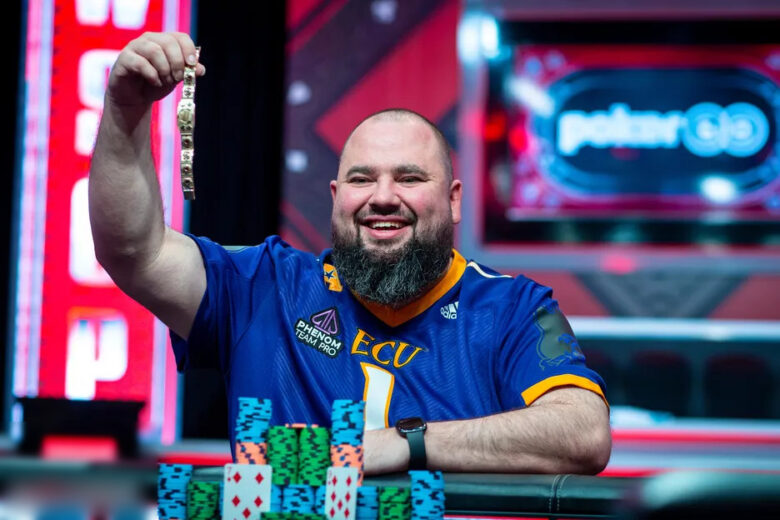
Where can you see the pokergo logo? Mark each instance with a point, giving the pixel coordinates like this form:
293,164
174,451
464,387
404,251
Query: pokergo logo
705,129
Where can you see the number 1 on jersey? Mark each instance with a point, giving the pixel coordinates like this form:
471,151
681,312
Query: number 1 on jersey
377,394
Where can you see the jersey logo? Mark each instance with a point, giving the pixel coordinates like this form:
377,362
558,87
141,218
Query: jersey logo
395,353
331,278
320,332
450,311
327,321
557,344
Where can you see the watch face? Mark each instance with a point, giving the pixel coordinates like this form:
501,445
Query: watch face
410,424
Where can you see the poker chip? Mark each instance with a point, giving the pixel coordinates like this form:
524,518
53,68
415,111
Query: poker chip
172,480
251,452
313,455
252,420
427,495
202,500
347,422
283,455
347,455
367,503
319,499
298,498
394,503
276,498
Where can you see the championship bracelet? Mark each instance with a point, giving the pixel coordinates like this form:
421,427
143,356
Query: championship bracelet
185,117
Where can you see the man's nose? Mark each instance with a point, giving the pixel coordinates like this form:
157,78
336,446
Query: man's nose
385,194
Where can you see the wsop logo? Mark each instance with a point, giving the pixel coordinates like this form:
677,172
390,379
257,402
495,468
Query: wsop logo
320,332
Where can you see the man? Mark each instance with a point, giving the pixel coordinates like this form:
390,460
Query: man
392,315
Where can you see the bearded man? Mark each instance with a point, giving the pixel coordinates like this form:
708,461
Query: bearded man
479,371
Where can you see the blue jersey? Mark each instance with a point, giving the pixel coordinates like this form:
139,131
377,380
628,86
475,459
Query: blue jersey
279,324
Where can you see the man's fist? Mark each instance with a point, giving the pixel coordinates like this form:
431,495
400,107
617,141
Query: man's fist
150,67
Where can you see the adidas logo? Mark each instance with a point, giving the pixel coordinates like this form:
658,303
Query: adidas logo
450,311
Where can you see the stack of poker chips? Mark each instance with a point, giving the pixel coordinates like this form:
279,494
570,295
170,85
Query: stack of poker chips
172,480
346,443
254,416
313,455
283,455
367,503
427,495
202,500
298,498
394,503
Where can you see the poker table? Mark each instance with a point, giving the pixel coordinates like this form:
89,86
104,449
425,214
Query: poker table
131,487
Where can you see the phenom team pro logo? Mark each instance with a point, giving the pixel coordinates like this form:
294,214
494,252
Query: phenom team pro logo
705,129
320,332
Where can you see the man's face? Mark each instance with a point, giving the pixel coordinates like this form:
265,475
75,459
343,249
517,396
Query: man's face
392,186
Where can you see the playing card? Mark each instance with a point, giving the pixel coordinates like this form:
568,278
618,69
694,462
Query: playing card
247,491
341,493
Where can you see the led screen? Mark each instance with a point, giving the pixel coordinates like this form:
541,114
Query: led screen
634,143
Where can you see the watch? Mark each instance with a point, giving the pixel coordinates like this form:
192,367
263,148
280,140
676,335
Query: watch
413,429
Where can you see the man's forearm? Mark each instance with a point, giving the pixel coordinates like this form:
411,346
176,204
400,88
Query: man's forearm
124,198
566,431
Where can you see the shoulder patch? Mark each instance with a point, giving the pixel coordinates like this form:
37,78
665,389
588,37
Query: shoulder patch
556,344
331,278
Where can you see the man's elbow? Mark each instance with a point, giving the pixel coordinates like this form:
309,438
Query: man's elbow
594,454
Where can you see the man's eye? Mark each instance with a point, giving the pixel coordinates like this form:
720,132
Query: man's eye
358,180
410,180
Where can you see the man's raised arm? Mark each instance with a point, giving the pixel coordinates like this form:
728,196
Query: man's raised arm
156,266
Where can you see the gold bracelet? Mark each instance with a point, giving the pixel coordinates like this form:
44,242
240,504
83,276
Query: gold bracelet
185,116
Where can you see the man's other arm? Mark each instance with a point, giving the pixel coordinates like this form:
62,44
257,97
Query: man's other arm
565,430
156,266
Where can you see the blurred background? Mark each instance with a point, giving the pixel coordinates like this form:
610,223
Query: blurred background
624,153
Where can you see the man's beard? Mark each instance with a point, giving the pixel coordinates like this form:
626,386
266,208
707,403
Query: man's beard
396,277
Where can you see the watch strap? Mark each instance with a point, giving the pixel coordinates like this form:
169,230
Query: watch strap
417,458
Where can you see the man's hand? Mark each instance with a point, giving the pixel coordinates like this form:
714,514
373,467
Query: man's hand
149,68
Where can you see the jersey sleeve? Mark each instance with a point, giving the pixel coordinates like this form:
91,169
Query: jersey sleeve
539,351
235,281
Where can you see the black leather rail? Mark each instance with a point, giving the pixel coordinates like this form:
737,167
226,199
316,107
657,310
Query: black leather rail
525,495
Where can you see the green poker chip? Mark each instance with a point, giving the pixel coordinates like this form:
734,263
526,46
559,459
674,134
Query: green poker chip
313,456
394,494
283,455
202,500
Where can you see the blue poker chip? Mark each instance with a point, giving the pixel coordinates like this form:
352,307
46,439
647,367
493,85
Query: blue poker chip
276,498
172,480
427,495
253,419
367,503
298,498
319,499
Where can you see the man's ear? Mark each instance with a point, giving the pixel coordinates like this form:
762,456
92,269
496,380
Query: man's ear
333,187
456,195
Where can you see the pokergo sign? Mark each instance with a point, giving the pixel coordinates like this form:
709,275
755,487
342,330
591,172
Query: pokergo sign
705,129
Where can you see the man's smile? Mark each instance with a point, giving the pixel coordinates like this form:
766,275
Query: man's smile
385,227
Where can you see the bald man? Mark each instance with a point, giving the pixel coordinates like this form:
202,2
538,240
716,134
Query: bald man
461,368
